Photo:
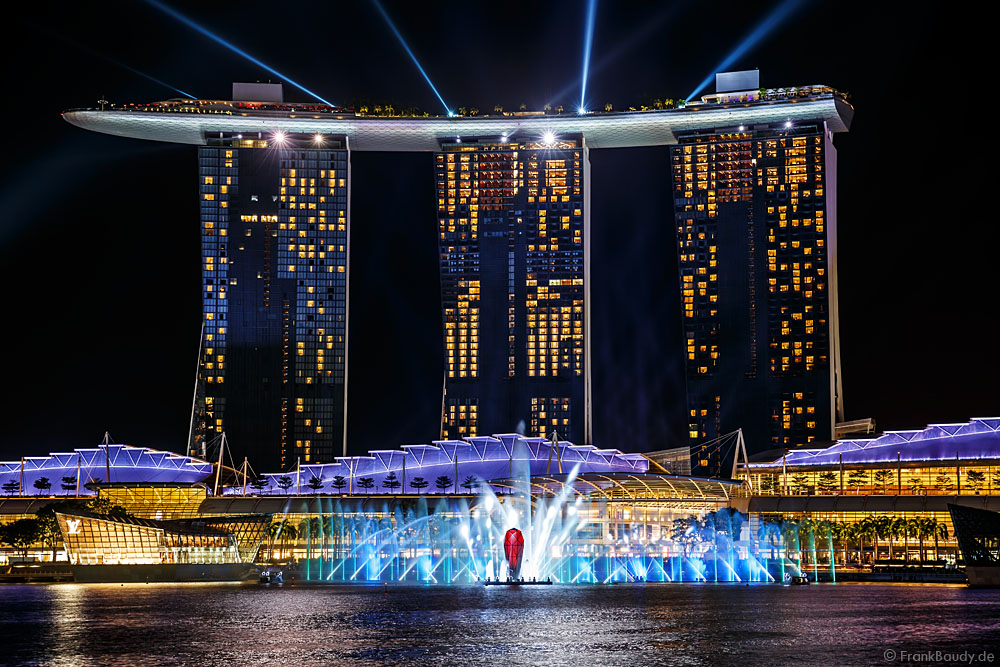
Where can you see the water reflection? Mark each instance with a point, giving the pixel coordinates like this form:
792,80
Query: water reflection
693,624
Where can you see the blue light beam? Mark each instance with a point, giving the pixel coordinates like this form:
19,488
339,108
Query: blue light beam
588,41
235,49
395,31
151,78
765,27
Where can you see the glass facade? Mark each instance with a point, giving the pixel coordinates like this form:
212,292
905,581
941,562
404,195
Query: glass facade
275,237
95,539
513,233
754,212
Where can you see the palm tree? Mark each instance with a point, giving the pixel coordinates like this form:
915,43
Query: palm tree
897,529
940,531
315,483
419,483
285,482
288,532
924,529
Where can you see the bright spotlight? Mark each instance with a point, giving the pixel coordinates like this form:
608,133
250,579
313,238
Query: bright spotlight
588,41
742,128
232,47
409,52
451,114
549,138
318,138
581,111
788,124
770,23
503,139
279,137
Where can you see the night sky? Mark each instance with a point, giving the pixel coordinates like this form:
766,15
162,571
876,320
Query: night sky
99,245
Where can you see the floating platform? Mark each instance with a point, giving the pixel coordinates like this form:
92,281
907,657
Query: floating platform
517,583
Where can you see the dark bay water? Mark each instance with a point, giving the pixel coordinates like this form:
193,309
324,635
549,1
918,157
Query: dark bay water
218,624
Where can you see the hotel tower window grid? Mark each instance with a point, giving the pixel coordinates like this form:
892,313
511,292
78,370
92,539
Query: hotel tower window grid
512,236
275,253
750,208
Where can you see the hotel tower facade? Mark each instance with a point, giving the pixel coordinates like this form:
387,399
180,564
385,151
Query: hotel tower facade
274,237
513,233
755,215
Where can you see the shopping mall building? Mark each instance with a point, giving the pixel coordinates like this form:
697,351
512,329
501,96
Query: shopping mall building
434,512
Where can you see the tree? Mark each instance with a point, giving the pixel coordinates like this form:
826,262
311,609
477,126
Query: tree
943,482
259,482
881,477
11,486
827,482
419,483
391,482
43,484
282,529
470,483
975,479
940,532
366,483
69,483
443,482
21,534
995,479
800,482
315,483
916,485
338,482
498,109
857,479
285,482
768,484
609,107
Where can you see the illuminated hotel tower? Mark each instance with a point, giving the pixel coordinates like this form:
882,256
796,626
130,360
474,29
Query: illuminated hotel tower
755,214
274,240
513,223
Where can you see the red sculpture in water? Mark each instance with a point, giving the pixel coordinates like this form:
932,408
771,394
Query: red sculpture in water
513,549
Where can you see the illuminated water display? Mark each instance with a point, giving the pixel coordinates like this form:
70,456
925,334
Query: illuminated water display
568,538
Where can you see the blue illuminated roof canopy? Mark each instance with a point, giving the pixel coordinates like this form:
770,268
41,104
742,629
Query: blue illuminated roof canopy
126,464
977,440
484,458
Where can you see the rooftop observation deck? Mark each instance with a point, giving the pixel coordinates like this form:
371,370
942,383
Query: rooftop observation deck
192,121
